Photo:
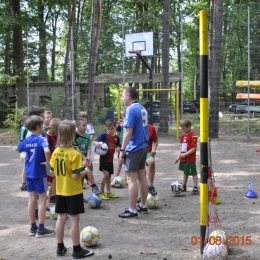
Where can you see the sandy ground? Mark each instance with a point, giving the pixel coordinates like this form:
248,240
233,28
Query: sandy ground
164,233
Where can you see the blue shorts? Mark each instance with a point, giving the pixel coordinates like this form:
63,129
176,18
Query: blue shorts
38,185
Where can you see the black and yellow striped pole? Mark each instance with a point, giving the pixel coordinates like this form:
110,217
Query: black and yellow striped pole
204,125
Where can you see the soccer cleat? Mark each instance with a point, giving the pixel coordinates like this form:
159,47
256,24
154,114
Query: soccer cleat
112,195
128,214
104,196
96,190
32,231
141,209
24,187
82,254
44,233
61,252
195,192
152,191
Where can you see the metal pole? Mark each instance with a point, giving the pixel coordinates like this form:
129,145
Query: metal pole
27,85
181,85
72,69
248,75
204,124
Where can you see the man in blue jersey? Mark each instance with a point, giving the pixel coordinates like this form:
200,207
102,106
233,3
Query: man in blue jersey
133,152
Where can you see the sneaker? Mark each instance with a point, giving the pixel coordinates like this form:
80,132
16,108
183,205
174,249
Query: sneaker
104,196
152,191
184,189
96,190
44,233
141,209
85,200
138,200
61,252
32,231
24,187
82,253
47,216
195,192
112,195
126,181
128,214
53,199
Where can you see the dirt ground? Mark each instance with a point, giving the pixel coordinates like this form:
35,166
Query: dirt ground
164,233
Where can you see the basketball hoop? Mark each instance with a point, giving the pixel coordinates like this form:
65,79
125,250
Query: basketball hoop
138,53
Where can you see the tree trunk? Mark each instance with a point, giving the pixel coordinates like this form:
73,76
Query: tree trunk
7,45
215,70
54,40
163,127
18,56
95,34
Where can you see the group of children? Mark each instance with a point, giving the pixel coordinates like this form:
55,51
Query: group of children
61,153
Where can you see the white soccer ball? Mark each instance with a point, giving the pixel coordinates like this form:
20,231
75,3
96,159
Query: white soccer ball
89,236
118,182
152,201
176,187
94,201
102,150
223,236
215,252
54,215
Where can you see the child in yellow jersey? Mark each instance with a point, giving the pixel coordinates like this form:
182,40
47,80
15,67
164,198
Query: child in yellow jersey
66,163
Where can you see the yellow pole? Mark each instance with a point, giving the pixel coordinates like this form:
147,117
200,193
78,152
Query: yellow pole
204,115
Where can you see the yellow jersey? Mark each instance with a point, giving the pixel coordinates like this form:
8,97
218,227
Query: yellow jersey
65,162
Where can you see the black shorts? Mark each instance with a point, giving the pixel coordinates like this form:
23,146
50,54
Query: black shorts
72,205
106,166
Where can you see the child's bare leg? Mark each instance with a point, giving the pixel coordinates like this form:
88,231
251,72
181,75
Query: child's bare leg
60,224
185,179
50,193
23,176
31,206
195,180
74,229
42,207
108,181
104,181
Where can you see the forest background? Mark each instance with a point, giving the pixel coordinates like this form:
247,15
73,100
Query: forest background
35,40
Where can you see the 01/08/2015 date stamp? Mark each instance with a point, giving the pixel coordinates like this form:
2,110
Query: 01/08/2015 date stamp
217,240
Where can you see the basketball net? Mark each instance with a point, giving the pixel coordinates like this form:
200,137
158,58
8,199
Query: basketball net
213,219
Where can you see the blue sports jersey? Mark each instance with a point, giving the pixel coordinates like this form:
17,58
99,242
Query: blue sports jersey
136,117
33,146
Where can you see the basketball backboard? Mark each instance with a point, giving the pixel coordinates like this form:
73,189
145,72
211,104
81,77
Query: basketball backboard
139,42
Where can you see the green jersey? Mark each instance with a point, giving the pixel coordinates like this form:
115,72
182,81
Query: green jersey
83,142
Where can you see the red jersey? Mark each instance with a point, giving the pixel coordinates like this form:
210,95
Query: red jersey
187,142
152,137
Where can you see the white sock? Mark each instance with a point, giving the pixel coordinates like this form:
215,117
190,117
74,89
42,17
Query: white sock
132,210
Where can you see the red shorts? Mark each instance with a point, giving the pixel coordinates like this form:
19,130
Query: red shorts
49,179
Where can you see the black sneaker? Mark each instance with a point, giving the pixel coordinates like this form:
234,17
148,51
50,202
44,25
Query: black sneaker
32,231
142,209
184,189
61,252
127,214
44,233
195,192
96,190
152,191
24,187
82,253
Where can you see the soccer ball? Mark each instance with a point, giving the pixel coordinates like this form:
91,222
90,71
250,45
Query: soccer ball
220,233
176,187
118,182
89,236
54,215
215,252
102,150
152,201
94,201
